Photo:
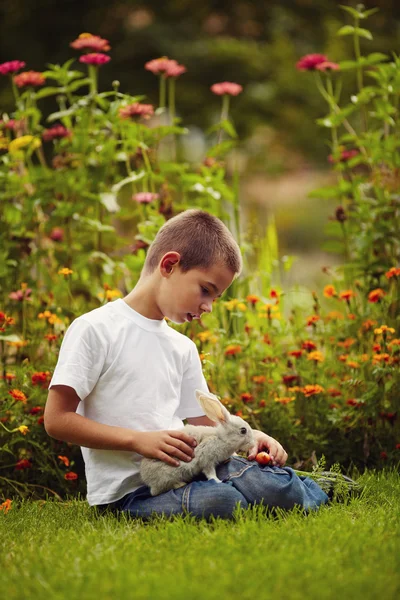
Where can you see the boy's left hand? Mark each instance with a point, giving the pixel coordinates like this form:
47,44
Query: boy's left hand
265,442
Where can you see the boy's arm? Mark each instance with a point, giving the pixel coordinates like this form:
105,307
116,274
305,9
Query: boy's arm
62,422
200,421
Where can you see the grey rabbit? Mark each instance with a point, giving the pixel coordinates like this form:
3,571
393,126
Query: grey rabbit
214,445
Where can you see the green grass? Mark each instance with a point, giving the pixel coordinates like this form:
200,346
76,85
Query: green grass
65,551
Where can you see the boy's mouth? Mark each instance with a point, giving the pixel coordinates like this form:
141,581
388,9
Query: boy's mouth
191,316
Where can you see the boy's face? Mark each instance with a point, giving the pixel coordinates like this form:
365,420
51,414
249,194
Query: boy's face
186,296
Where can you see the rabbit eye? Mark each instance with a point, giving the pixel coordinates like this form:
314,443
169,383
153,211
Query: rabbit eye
243,430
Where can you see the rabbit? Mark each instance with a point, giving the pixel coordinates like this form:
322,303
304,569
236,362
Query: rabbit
214,445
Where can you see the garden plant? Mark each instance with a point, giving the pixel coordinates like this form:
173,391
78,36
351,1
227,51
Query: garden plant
83,192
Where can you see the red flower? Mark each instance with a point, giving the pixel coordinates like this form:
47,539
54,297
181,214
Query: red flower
345,155
35,410
327,66
29,78
383,455
18,395
393,272
11,66
289,379
58,131
246,397
144,111
145,197
95,58
308,345
22,464
376,295
57,234
41,378
226,87
87,41
309,62
70,476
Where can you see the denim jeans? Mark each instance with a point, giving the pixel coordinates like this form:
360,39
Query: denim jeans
244,483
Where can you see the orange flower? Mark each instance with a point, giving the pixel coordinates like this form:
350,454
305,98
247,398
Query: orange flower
346,295
65,460
18,395
70,476
346,343
333,392
232,349
368,324
343,357
316,356
6,506
384,329
252,299
285,400
329,291
313,319
50,337
378,358
333,315
352,364
376,295
311,390
22,464
259,378
246,397
393,272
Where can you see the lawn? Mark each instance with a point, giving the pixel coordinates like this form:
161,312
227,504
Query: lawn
65,550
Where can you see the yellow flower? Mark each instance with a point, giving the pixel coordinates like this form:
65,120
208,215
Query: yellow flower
316,355
23,429
3,142
111,294
231,304
65,271
22,142
242,307
204,335
383,329
53,319
45,315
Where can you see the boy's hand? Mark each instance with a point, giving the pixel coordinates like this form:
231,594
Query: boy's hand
165,445
265,442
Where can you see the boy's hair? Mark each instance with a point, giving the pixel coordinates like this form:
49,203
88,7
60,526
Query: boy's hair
201,239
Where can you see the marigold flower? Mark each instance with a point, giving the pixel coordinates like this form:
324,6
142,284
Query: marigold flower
50,337
368,324
333,392
204,335
26,78
308,345
346,295
41,378
35,410
316,356
87,41
232,349
259,379
309,62
383,455
311,390
285,399
23,429
376,295
65,271
312,320
246,397
383,329
95,58
352,364
70,476
18,395
226,87
343,357
145,197
327,66
112,294
252,299
12,66
9,377
65,460
334,315
6,505
292,378
346,343
354,402
378,358
56,132
22,464
395,342
296,353
393,272
144,111
329,291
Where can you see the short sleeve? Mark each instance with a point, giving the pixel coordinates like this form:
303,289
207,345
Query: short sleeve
81,358
193,379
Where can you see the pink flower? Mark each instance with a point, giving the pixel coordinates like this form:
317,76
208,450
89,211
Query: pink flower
58,131
57,234
21,294
13,125
345,155
87,41
145,197
145,111
327,66
29,78
226,87
158,66
95,58
174,69
309,62
11,66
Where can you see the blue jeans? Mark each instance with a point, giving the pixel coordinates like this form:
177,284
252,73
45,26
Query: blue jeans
245,483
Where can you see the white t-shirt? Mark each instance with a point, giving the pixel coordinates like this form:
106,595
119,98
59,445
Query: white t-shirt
132,372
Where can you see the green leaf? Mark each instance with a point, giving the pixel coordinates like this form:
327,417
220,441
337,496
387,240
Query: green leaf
221,149
352,11
346,30
78,84
49,91
364,33
346,65
60,114
134,177
229,128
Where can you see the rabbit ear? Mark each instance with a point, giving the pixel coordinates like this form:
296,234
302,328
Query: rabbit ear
212,407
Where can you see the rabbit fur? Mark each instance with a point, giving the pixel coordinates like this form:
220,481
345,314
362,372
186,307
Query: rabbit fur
214,445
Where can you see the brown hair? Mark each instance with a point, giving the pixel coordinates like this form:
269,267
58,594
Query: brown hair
200,238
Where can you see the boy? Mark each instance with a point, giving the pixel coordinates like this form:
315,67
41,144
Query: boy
125,381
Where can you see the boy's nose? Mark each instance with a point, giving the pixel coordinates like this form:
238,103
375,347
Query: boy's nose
206,307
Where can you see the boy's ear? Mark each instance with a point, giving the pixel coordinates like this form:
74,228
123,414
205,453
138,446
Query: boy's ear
212,407
168,262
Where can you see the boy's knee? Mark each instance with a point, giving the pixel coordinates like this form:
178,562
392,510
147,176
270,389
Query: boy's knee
219,500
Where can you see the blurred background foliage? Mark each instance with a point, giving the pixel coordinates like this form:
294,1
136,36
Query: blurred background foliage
283,153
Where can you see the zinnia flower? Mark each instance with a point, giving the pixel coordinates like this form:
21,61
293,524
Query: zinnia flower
308,345
87,41
21,294
95,58
226,87
144,111
327,66
311,390
165,66
70,476
29,78
145,197
11,66
58,131
309,62
376,295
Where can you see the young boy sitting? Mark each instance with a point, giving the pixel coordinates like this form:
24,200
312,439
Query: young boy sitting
125,380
